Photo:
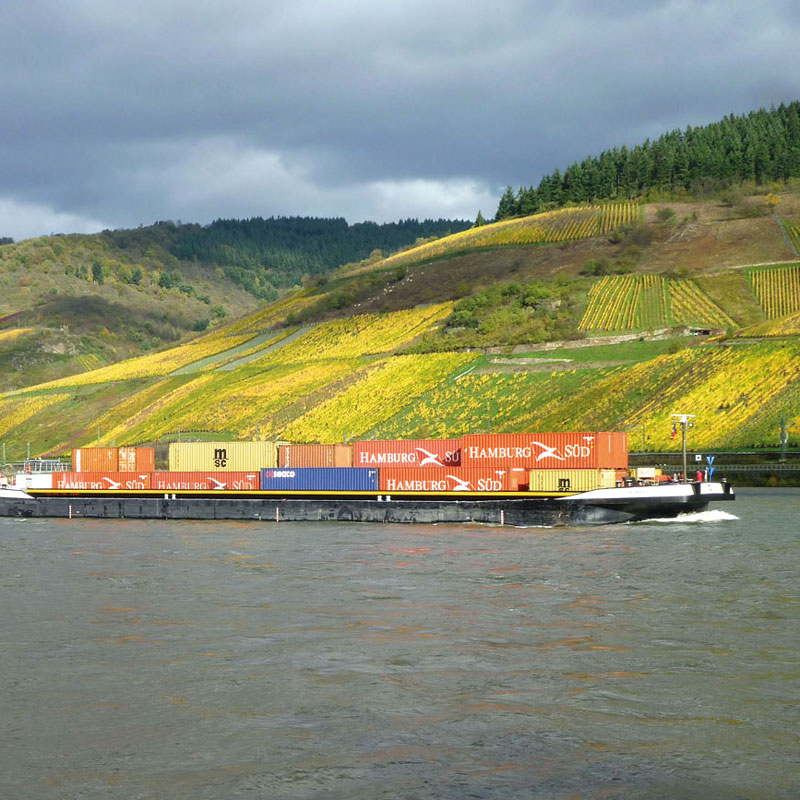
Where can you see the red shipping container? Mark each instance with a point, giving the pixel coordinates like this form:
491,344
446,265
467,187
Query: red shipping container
95,459
137,459
427,479
546,450
206,481
429,453
106,481
315,455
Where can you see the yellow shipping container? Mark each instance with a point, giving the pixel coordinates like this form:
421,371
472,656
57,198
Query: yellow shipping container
222,456
571,480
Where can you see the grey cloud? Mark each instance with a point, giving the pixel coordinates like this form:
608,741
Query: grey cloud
104,100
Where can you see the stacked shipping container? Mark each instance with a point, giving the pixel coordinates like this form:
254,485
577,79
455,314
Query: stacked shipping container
546,450
137,459
222,456
108,481
323,479
408,453
463,479
205,481
315,455
536,462
113,459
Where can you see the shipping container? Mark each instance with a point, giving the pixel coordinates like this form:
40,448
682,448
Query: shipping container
109,481
95,459
34,480
206,481
315,455
429,453
137,459
518,478
545,450
571,480
427,479
325,479
221,456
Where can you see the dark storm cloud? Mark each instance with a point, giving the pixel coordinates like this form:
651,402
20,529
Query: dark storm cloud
120,113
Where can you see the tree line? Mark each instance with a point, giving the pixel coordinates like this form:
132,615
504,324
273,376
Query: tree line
760,147
263,255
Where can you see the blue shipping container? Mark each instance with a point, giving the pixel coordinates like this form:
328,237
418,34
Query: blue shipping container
323,479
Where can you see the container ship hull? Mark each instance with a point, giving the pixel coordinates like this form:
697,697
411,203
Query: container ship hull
516,509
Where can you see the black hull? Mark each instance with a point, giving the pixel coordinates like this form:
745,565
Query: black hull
523,512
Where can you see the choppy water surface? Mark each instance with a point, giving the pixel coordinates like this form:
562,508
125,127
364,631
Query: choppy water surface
226,660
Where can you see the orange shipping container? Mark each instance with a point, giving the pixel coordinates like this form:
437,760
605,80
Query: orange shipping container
137,459
429,479
518,479
315,455
429,453
95,459
546,450
205,481
108,481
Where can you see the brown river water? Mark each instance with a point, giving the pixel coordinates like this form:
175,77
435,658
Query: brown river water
201,660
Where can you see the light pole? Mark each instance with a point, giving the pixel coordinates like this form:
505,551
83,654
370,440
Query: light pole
683,419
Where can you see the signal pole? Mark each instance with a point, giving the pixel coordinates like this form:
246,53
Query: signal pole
683,419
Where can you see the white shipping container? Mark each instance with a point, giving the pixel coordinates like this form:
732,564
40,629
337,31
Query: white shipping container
34,480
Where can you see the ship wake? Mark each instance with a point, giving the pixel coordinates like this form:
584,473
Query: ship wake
712,515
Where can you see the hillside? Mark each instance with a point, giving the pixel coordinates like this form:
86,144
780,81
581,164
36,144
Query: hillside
81,301
636,283
446,341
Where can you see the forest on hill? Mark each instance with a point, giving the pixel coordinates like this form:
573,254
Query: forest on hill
756,148
267,256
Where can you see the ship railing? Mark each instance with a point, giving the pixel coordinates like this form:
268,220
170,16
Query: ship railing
35,466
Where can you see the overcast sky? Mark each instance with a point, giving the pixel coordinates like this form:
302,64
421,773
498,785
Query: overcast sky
116,114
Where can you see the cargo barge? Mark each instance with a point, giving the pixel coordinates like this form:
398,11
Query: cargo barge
500,479
599,506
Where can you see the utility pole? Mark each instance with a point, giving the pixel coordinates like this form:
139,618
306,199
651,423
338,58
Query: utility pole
784,440
683,420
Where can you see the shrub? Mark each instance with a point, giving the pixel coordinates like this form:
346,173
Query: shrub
665,214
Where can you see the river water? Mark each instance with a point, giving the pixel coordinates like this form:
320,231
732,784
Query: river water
262,660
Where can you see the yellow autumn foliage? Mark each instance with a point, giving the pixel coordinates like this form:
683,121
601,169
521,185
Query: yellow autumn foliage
777,290
384,390
18,410
161,363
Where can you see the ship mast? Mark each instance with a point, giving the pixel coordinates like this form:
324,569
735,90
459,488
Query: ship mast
684,421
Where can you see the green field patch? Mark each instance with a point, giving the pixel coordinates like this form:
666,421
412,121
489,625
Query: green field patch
632,351
733,293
